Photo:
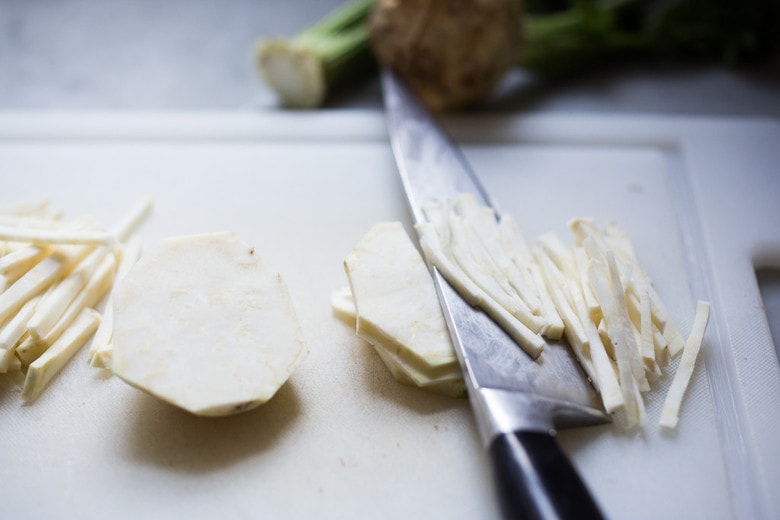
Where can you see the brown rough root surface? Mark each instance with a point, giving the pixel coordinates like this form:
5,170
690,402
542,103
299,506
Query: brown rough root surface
451,53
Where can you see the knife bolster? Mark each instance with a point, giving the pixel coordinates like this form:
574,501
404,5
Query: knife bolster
500,412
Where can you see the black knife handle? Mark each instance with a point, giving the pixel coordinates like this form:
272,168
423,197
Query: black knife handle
536,480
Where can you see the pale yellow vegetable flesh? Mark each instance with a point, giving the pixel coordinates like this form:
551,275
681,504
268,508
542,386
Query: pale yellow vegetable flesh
100,349
294,71
395,297
397,311
43,369
54,275
202,323
449,383
670,414
595,294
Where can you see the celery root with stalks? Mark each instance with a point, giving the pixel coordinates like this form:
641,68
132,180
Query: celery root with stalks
452,52
302,69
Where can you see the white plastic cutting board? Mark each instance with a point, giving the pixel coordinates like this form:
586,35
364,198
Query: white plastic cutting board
342,440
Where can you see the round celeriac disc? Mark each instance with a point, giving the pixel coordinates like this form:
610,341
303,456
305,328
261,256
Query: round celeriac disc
200,322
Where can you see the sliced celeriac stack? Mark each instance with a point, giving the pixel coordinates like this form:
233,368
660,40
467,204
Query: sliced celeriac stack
595,294
202,323
396,310
53,276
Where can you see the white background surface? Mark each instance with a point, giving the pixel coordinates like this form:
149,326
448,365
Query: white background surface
343,439
141,54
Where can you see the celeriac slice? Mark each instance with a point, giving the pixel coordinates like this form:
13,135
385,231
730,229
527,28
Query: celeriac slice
646,343
475,243
661,346
46,367
625,333
527,339
96,287
676,343
40,276
57,236
203,324
581,263
343,306
395,298
130,221
619,325
8,361
604,379
478,265
18,262
486,225
616,240
30,348
558,289
670,414
558,253
554,328
53,304
432,243
448,383
100,350
12,332
514,245
621,338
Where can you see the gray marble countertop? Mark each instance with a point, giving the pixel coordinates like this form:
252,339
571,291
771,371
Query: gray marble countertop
198,54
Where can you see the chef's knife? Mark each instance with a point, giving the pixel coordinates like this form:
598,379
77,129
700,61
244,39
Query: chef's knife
518,402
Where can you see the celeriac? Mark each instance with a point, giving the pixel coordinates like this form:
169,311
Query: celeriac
53,275
595,294
397,310
203,324
450,383
100,350
671,410
43,369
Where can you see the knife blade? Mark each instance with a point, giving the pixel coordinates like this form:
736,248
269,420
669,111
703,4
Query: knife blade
518,402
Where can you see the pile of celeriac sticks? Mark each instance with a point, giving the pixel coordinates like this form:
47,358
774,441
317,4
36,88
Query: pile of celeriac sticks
53,275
